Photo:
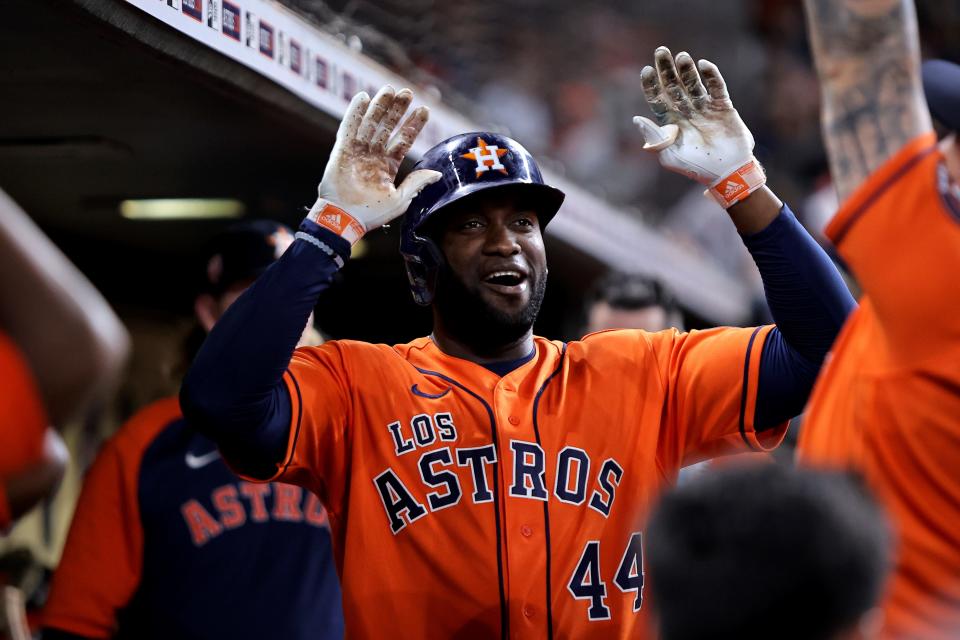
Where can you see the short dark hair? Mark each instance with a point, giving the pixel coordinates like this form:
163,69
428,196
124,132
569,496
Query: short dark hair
630,291
765,551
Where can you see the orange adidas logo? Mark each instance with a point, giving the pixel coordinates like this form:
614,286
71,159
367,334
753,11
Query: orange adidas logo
331,220
732,188
337,220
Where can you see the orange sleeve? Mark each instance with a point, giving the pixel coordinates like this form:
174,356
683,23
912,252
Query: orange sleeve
320,400
710,387
23,420
900,234
101,564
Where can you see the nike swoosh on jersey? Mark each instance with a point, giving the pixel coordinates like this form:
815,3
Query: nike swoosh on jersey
423,394
196,462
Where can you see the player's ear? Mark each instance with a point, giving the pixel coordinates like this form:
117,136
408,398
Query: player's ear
207,310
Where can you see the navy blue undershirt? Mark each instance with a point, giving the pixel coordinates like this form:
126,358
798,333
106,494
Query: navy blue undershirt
504,367
234,391
809,303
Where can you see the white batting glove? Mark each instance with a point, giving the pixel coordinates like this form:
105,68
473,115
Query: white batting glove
698,132
357,193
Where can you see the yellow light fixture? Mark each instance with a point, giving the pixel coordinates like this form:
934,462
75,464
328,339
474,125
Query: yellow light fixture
181,208
359,249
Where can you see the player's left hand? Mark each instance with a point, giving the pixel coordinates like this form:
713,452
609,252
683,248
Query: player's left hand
697,132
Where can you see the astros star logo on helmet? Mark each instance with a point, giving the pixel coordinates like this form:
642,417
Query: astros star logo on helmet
487,157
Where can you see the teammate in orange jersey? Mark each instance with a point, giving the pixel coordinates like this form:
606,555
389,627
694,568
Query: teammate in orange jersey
482,481
166,542
888,404
47,309
32,456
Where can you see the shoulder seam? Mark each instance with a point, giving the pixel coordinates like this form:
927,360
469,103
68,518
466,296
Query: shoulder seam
147,423
856,214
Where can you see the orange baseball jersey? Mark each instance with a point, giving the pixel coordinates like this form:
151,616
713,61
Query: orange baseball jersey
23,420
465,504
888,401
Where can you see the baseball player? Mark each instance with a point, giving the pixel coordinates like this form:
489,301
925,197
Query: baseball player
166,542
32,456
631,301
45,304
888,403
483,481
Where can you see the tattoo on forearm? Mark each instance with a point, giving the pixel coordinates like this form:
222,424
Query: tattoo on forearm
869,121
867,56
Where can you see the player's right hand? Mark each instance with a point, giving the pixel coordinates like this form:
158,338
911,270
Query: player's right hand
357,193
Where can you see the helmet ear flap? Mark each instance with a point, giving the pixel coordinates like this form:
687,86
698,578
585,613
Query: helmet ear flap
422,269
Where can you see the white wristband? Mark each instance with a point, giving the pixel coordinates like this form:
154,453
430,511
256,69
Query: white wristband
733,188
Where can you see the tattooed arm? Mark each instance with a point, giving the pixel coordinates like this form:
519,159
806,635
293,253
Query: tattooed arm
868,58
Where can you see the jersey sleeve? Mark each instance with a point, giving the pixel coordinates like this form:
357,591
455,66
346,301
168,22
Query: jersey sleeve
23,420
710,382
101,563
900,234
317,381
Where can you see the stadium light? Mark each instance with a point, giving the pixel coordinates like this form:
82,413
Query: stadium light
181,208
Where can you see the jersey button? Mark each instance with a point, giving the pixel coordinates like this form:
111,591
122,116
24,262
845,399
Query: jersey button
528,611
514,420
526,530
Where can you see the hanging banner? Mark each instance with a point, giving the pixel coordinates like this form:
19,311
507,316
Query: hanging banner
283,46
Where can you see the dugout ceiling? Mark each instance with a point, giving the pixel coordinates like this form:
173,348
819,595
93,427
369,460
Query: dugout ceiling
92,115
103,103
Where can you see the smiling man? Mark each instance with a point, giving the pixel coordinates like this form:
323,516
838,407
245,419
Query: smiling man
483,481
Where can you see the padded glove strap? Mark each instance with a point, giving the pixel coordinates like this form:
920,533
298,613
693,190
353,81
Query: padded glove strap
738,185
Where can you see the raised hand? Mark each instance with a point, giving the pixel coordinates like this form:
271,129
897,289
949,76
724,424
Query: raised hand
697,132
357,193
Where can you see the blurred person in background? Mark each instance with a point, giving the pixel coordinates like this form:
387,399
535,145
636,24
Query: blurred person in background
767,552
166,542
33,457
61,348
887,404
631,301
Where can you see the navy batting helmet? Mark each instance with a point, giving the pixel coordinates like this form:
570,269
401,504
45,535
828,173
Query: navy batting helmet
941,84
470,163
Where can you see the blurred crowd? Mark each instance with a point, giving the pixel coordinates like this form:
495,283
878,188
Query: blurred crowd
563,78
